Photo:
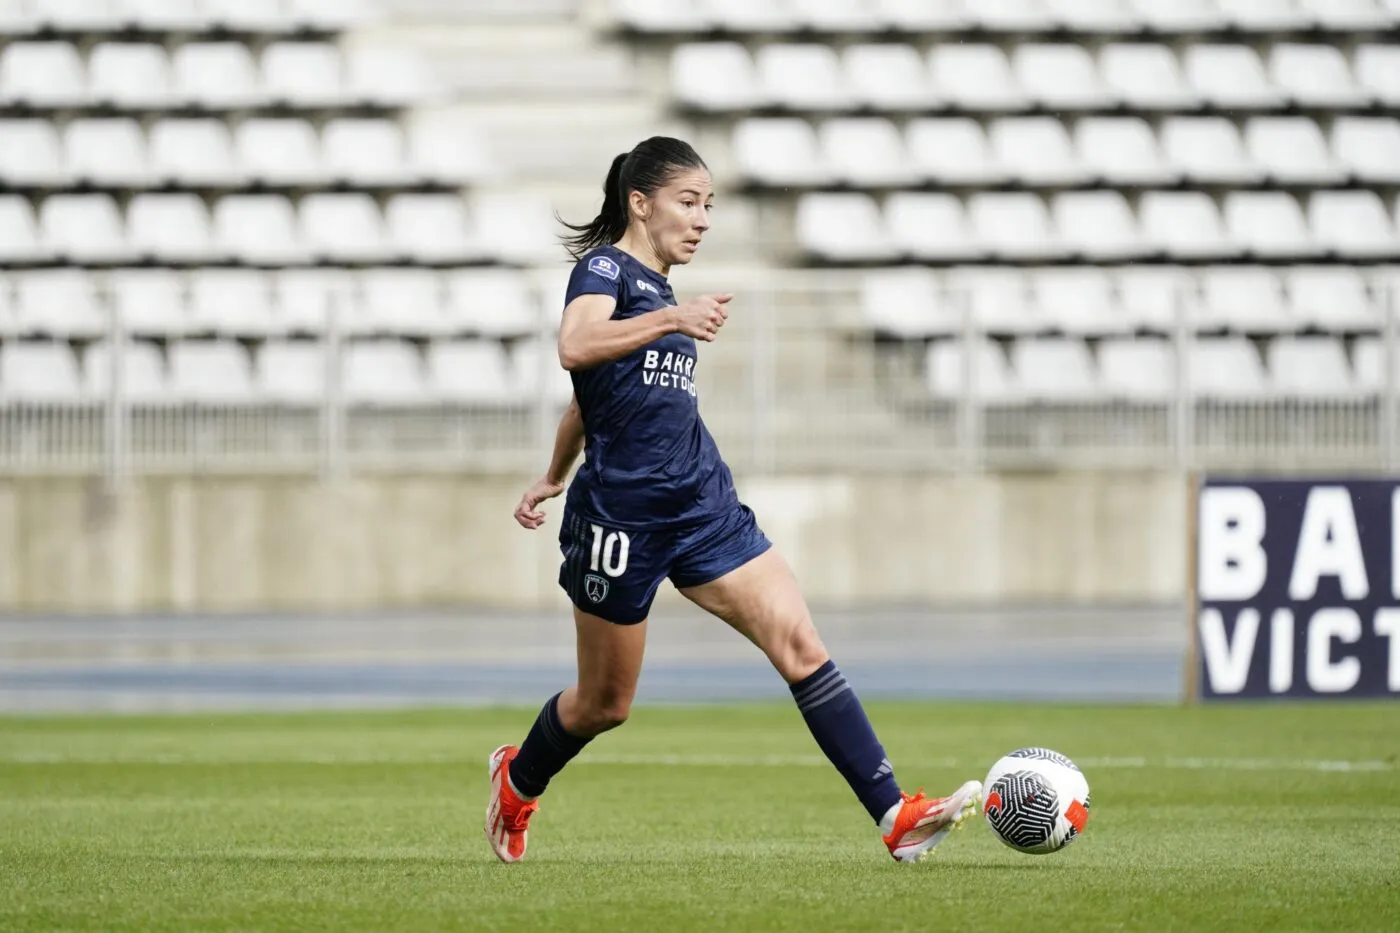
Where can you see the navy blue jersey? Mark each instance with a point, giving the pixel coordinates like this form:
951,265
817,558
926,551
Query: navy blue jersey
649,461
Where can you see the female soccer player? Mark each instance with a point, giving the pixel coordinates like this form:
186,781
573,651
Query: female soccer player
654,500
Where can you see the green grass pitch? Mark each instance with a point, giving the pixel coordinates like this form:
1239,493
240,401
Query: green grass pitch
1260,818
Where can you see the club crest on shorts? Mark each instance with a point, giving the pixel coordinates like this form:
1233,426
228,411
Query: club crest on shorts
596,587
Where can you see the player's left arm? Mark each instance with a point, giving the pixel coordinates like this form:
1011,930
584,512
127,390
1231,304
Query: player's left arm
568,444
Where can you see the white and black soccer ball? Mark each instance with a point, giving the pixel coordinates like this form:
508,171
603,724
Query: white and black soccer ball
1036,800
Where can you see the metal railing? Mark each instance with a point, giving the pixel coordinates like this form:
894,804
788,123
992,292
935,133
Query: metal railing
800,379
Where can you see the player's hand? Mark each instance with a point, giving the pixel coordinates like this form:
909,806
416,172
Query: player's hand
527,513
703,316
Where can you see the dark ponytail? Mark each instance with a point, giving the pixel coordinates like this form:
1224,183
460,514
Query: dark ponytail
649,166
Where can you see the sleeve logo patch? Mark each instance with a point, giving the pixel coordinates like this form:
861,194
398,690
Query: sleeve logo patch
604,267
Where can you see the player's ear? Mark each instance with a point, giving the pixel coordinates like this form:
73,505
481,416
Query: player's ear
641,204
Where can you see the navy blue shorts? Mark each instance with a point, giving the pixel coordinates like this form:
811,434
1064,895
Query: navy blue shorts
614,574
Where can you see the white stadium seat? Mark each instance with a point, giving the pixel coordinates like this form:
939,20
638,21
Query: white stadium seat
1036,150
430,228
32,153
400,301
469,372
1013,226
18,19
922,15
1059,77
292,373
1185,224
990,379
230,302
79,15
1208,150
335,15
1346,15
20,239
149,302
1137,370
1077,301
535,371
1369,366
521,228
801,76
1155,297
491,303
84,228
216,75
211,372
1291,150
1229,76
279,151
344,228
952,151
1178,15
1145,76
143,374
163,15
268,16
779,151
171,228
107,152
887,76
1331,298
1226,368
975,76
752,15
1310,367
998,300
42,74
303,74
39,373
1107,16
833,17
1368,147
1009,15
1313,75
131,75
447,152
1055,369
258,228
309,301
714,76
1267,224
1377,70
681,16
1242,299
1122,150
364,152
1263,15
1098,225
906,303
841,226
1353,224
58,302
866,152
194,152
929,226
387,76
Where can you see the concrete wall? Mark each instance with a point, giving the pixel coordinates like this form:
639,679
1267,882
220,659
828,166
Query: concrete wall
239,543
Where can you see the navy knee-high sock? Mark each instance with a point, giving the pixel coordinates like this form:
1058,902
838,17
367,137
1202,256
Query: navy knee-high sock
546,750
838,722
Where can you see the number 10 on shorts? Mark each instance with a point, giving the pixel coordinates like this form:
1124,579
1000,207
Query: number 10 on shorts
609,551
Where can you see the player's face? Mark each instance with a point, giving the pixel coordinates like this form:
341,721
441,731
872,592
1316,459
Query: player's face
680,215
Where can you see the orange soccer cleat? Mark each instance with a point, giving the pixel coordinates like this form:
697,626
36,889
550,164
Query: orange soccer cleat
923,823
507,815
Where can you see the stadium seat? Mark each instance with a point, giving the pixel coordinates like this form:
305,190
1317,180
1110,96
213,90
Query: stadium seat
1229,76
952,151
1137,369
131,75
1013,226
779,151
714,76
521,227
1077,301
42,74
84,228
447,152
1369,366
1178,15
1098,225
1226,368
1184,224
260,229
211,372
1145,76
1267,225
406,302
143,373
1243,300
1059,77
35,372
258,16
279,151
1122,151
292,373
344,228
535,370
887,76
1105,16
1208,150
1309,368
20,240
842,226
382,373
334,15
680,17
1352,224
1291,150
149,302
31,154
59,303
230,303
916,16
991,379
1313,75
975,76
1377,70
216,75
1156,298
998,300
387,76
95,16
162,15
18,19
430,228
310,301
906,304
1263,15
490,303
1009,15
1330,298
1368,148
1036,150
929,226
802,77
303,74
752,15
1055,369
170,228
197,152
866,152
1346,15
108,152
833,17
469,372
364,152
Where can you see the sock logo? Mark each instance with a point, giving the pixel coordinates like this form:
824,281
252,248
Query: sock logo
884,769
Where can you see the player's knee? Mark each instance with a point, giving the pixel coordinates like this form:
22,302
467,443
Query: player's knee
801,651
604,712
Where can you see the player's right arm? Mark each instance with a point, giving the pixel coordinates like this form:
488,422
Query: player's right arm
589,337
